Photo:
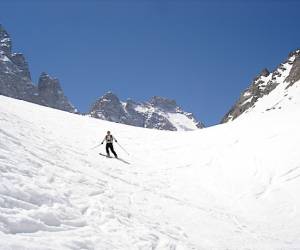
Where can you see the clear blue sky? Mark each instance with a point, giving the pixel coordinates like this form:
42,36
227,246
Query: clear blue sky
201,53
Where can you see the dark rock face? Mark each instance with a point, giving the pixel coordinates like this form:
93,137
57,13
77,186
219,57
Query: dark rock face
153,114
133,116
5,41
109,108
154,120
163,103
51,94
294,75
265,83
19,60
15,80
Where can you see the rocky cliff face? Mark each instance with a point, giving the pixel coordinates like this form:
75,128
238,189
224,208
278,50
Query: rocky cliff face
264,84
51,94
294,74
159,113
15,79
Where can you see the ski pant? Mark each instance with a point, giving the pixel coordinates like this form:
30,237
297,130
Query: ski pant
109,146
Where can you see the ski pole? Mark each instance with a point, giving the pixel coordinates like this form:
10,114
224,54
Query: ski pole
123,148
95,146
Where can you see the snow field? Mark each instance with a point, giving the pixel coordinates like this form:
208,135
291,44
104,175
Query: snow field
231,186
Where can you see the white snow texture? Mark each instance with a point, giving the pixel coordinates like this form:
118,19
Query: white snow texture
229,187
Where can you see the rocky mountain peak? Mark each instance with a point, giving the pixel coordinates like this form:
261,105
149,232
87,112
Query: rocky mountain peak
295,53
294,75
5,41
110,97
108,107
163,103
109,102
130,104
46,82
12,60
51,93
265,72
265,83
159,113
19,60
15,79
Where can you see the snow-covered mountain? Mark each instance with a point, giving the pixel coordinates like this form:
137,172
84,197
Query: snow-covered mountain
159,113
282,78
15,79
227,187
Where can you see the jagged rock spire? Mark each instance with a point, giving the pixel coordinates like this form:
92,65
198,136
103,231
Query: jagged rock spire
51,93
5,41
15,79
46,82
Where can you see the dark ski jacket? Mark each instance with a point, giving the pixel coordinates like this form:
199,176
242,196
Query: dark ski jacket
109,139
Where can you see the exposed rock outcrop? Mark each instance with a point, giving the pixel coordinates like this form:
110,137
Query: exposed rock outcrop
159,113
265,83
15,79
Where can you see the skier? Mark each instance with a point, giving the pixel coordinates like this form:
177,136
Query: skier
109,144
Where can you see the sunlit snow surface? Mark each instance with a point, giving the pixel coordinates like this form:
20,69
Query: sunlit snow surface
229,187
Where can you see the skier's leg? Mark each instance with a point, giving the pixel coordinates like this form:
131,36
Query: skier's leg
113,151
107,149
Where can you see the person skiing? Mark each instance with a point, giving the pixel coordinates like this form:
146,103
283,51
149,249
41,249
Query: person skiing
109,144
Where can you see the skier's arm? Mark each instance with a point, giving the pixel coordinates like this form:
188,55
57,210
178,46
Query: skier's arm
115,139
103,140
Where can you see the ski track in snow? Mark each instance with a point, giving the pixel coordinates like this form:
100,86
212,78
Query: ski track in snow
232,186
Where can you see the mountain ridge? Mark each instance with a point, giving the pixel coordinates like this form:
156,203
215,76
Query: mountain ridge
159,113
264,84
16,82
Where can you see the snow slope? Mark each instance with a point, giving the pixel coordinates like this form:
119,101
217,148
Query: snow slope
284,76
231,186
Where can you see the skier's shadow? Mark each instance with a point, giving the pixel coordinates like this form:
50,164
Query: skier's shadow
122,160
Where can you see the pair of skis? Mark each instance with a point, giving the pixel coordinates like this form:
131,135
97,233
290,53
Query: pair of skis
120,159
